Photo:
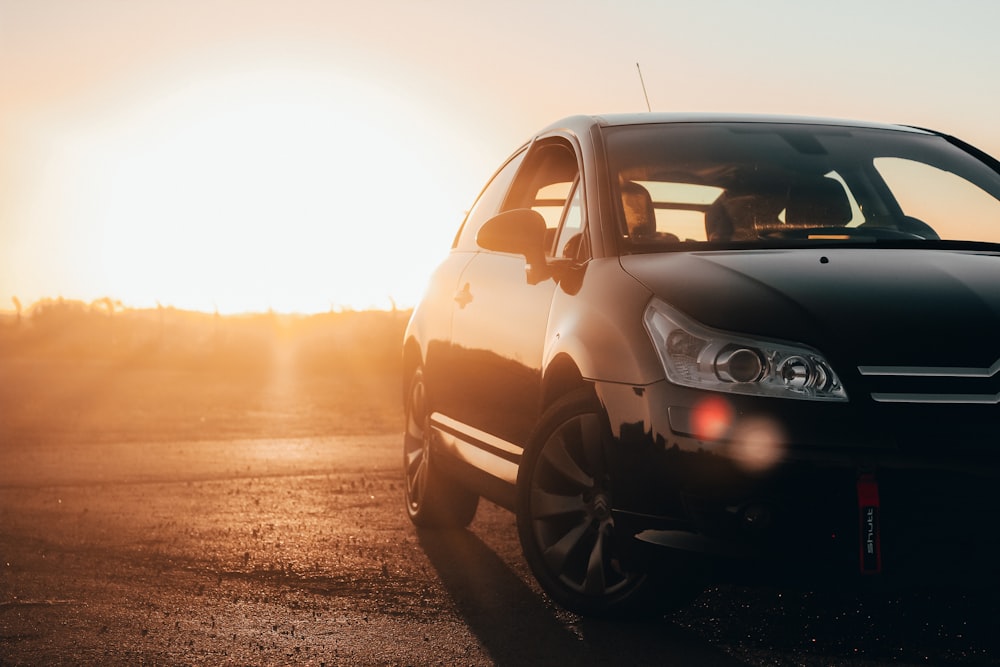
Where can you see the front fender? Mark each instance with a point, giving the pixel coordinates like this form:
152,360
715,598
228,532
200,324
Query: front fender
598,325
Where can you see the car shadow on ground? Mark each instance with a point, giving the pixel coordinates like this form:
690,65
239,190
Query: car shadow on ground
516,626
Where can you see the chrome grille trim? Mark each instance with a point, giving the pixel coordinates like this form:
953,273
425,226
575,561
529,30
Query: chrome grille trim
939,372
931,371
964,399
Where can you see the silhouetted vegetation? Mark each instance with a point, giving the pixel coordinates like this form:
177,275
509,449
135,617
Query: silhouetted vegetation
96,371
61,329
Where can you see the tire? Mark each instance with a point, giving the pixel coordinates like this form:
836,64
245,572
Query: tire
433,499
564,516
564,519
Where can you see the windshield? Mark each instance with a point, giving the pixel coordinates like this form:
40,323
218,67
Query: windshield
733,184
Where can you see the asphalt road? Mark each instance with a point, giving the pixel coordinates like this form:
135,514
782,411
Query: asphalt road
298,551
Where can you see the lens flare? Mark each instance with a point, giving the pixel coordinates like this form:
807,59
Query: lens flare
757,444
711,418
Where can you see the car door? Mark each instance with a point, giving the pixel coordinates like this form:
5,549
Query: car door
502,307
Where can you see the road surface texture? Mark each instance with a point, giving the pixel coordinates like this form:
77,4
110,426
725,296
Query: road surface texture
172,518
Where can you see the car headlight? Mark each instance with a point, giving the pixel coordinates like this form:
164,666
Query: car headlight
694,355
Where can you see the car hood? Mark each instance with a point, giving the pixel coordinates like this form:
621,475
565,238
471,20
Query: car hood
883,307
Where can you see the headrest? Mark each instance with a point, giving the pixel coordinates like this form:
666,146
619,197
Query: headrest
718,223
640,216
820,202
738,216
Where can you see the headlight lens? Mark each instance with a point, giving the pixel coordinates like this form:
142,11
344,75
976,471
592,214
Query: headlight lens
694,355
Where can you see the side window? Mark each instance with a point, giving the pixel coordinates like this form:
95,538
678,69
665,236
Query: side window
953,207
487,205
550,202
570,234
547,183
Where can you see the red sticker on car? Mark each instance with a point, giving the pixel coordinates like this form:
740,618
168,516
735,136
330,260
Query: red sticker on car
870,528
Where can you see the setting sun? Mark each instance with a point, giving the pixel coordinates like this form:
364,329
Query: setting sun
274,188
284,188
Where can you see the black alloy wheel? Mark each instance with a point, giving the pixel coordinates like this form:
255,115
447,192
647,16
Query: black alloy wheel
564,516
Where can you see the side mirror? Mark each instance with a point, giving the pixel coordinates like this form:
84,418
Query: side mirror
520,231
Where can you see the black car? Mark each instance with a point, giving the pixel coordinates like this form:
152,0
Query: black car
681,346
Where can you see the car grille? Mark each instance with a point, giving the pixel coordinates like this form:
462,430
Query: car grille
934,384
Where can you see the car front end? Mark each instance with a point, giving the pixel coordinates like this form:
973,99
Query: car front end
870,449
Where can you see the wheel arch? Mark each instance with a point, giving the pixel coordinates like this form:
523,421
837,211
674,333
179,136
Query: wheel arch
562,376
413,358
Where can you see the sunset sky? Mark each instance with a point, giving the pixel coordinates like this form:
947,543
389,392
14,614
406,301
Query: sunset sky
303,155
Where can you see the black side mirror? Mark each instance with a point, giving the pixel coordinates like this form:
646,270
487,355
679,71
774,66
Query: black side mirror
520,231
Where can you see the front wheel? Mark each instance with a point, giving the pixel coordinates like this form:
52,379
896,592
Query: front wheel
433,499
564,516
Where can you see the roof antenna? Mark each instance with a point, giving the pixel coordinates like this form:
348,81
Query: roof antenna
639,69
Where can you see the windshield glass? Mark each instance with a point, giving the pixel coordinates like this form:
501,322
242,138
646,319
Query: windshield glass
685,184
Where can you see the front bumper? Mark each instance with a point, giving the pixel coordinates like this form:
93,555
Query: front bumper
812,490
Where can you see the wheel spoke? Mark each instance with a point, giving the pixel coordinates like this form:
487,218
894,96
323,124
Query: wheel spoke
547,505
420,480
557,455
416,473
594,582
415,446
556,555
414,459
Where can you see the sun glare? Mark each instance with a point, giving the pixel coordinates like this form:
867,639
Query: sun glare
275,189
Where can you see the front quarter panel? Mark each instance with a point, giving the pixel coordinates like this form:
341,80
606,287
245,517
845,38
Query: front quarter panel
596,321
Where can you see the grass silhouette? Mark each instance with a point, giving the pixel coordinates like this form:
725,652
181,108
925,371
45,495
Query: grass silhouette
82,372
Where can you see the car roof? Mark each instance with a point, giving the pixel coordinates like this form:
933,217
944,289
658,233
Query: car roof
582,123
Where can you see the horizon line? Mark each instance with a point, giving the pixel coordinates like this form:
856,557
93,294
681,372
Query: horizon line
117,306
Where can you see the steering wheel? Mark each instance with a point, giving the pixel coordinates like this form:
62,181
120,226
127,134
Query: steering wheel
907,224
